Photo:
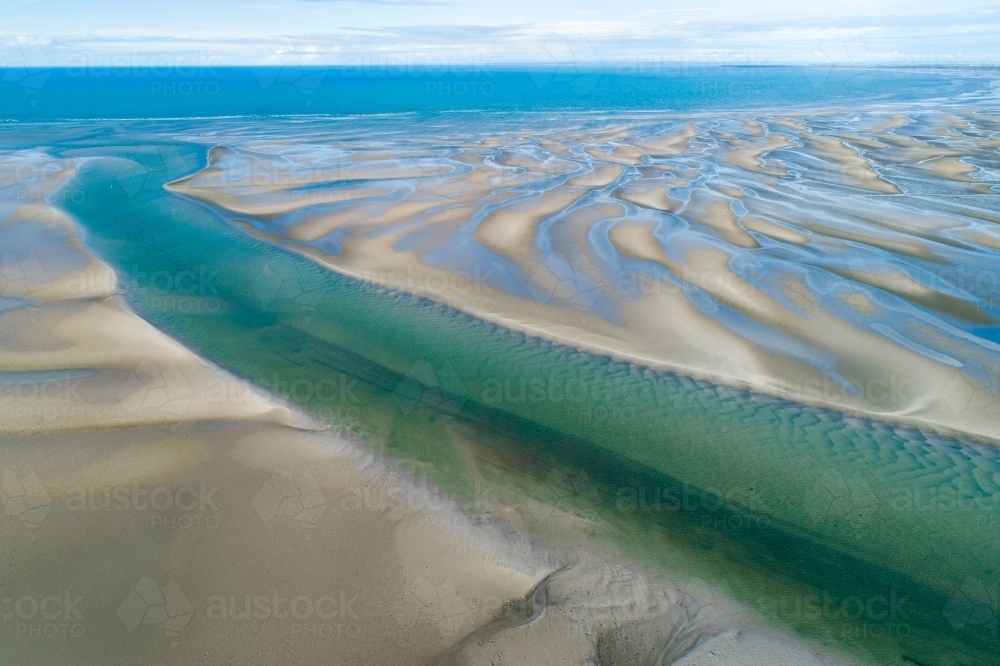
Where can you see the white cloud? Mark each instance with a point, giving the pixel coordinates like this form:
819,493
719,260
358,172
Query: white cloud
693,33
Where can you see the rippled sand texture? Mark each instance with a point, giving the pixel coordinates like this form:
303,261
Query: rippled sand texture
186,517
844,259
134,474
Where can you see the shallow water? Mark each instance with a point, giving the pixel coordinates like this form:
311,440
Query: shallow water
842,258
863,536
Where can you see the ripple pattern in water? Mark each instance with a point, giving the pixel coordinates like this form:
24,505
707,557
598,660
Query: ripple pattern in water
843,504
840,258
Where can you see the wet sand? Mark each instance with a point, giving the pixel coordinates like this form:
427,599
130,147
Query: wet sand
174,513
810,215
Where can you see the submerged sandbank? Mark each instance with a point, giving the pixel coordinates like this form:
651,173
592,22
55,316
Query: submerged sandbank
813,257
178,514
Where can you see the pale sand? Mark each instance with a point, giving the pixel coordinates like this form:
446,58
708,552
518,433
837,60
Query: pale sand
240,530
232,452
775,231
903,285
649,195
749,157
654,322
669,145
892,122
742,648
851,165
601,176
719,215
627,155
511,231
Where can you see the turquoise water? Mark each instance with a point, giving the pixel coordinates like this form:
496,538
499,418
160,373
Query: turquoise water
863,536
876,539
206,91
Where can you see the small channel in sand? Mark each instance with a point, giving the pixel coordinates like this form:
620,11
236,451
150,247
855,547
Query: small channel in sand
796,512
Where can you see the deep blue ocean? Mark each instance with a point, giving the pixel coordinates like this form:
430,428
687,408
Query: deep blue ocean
208,91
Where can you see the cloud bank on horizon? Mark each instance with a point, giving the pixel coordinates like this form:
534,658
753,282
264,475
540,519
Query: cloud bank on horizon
639,33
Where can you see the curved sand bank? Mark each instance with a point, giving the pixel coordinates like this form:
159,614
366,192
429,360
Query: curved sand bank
817,258
174,514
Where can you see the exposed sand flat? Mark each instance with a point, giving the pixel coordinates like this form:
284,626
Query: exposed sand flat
556,148
952,169
749,158
380,570
75,357
775,231
908,150
728,190
263,203
903,285
670,145
610,134
863,141
851,165
458,222
551,166
649,195
719,215
601,176
795,124
627,155
511,230
913,249
708,269
279,537
891,123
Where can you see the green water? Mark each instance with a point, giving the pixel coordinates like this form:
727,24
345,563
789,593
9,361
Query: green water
879,540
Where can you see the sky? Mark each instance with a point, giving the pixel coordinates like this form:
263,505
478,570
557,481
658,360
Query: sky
629,34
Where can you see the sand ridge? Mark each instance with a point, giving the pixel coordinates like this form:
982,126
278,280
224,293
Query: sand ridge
775,192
